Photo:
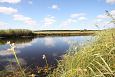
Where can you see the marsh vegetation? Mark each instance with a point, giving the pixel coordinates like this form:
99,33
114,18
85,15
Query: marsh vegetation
15,33
95,59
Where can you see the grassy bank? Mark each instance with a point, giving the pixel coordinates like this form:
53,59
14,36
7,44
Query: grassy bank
24,32
95,59
65,32
16,33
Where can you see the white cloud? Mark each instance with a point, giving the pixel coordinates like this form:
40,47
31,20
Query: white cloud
68,22
103,16
104,24
104,21
49,20
98,20
73,18
3,23
75,15
55,7
8,10
10,1
82,18
26,20
110,1
113,12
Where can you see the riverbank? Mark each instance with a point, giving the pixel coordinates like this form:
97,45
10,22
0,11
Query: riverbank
65,32
16,33
93,59
28,33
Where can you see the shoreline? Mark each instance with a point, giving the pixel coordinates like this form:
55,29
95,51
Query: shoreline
42,33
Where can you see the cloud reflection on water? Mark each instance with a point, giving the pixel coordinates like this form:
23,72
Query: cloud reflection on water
49,42
7,52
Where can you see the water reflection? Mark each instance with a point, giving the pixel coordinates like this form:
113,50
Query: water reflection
48,41
7,52
16,40
30,50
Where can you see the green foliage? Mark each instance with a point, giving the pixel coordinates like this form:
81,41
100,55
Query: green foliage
96,59
15,33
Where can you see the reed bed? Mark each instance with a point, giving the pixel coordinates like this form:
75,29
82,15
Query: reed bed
15,33
95,59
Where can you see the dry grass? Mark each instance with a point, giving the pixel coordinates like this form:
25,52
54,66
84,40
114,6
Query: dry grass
66,32
96,59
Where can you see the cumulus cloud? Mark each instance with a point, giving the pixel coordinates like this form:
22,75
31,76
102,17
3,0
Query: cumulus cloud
103,16
50,20
55,7
26,20
75,15
10,1
68,22
78,16
16,16
82,18
110,1
8,10
73,18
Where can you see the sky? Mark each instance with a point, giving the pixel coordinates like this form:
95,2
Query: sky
56,14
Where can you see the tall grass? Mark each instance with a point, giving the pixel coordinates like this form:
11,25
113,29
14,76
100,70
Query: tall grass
96,59
15,33
12,45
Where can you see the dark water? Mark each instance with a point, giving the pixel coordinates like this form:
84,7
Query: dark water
31,50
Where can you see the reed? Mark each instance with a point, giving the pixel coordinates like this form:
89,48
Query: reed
96,59
12,45
16,33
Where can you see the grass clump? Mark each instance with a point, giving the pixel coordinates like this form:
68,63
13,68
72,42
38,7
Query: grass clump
15,33
96,59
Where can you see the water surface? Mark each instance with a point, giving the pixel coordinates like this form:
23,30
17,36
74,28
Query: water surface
31,50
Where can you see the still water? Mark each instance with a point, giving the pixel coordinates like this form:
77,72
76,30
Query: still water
31,50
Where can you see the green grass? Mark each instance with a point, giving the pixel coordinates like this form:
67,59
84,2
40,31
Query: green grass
96,59
24,32
65,32
15,33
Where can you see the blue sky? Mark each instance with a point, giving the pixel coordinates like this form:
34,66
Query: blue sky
55,14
